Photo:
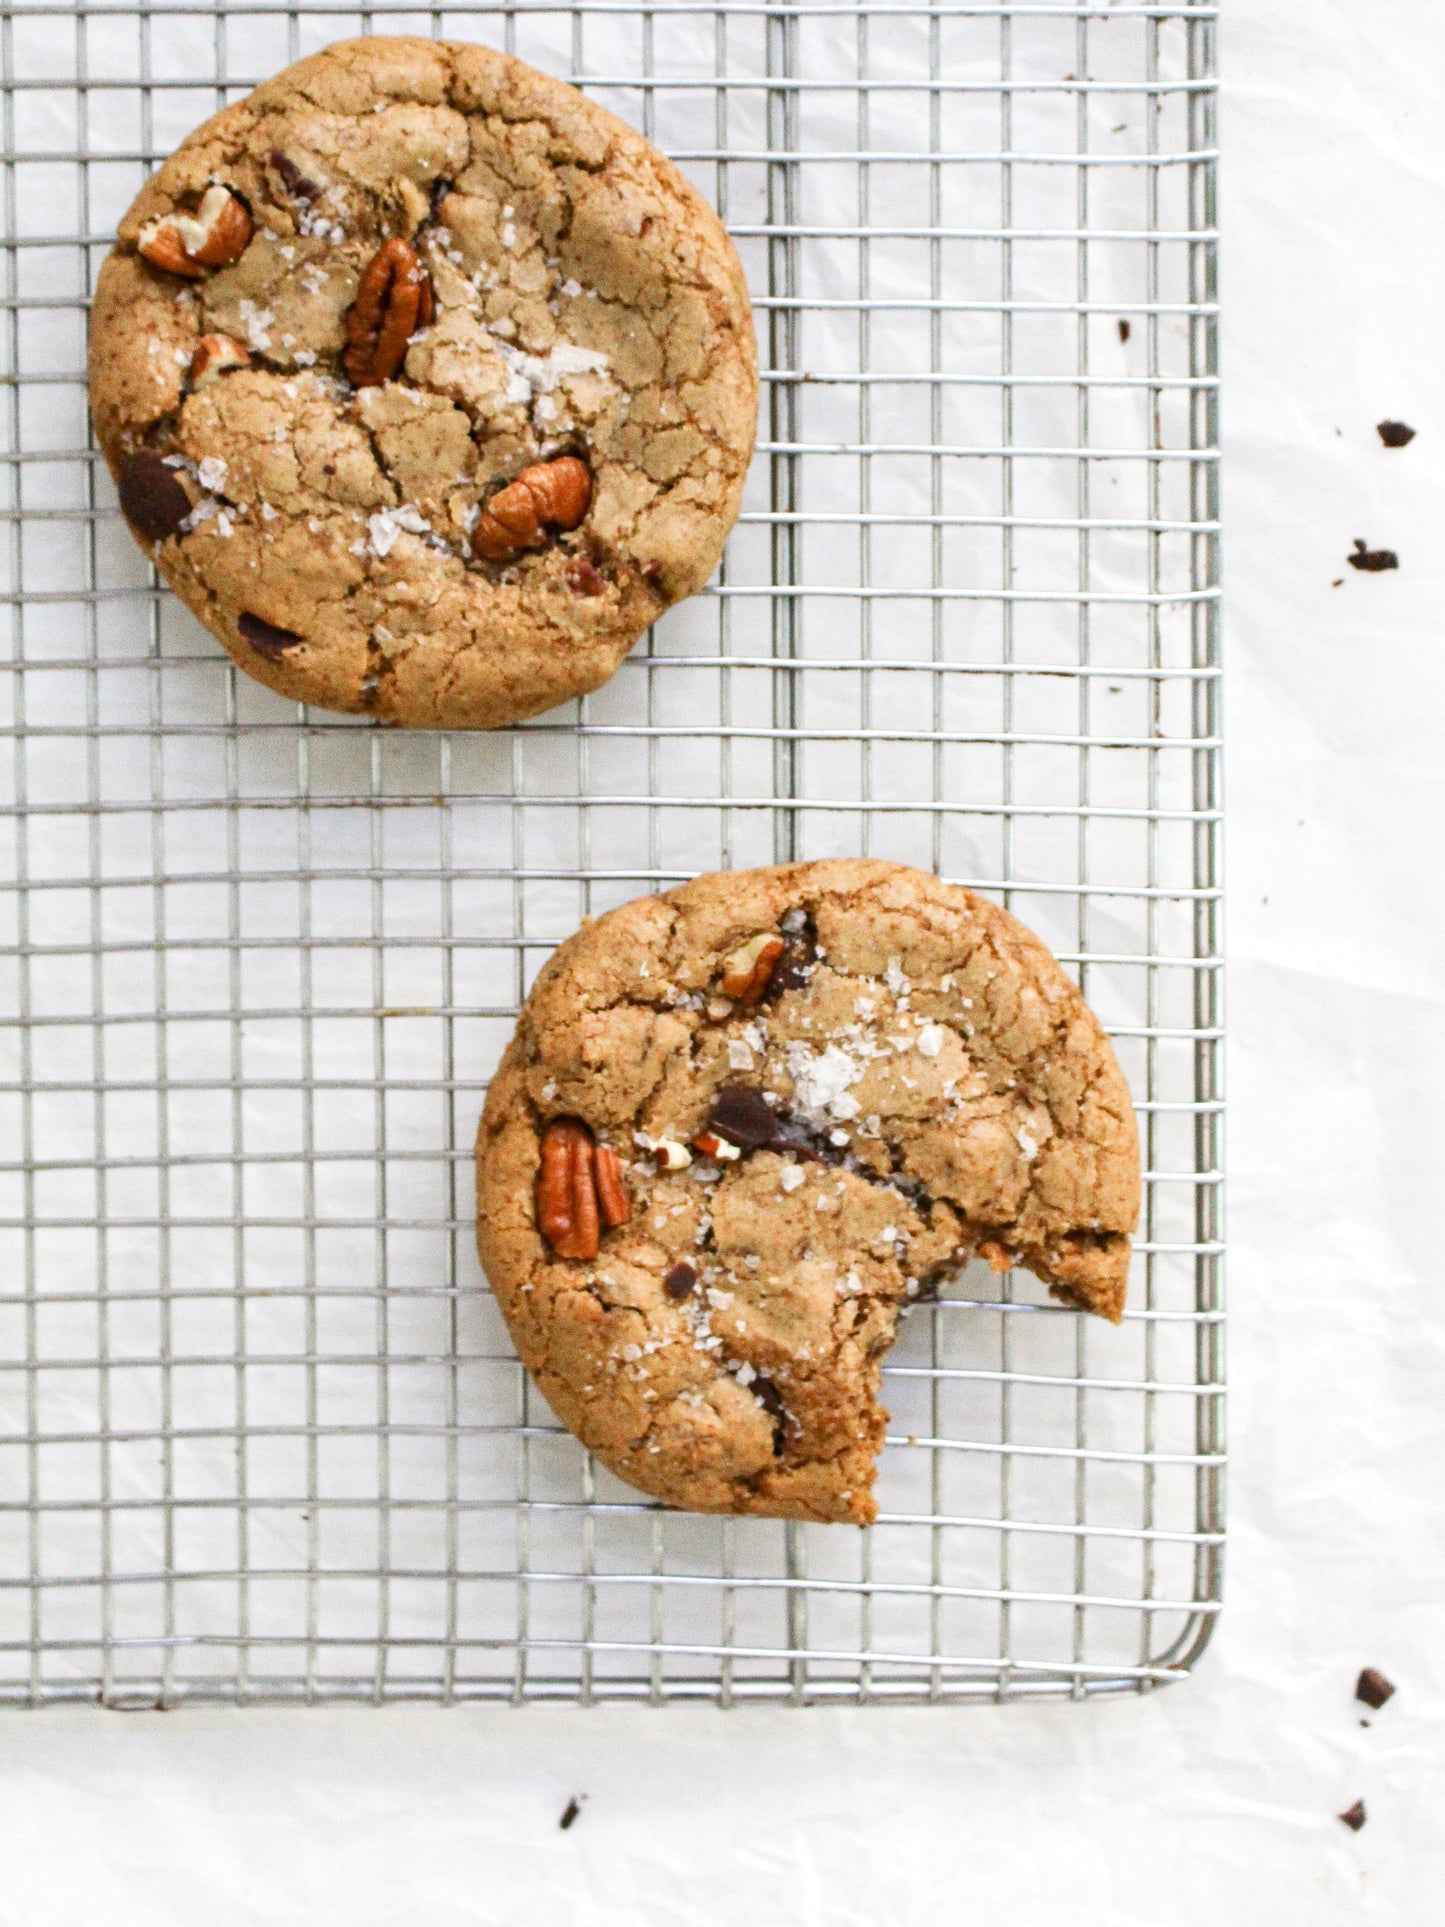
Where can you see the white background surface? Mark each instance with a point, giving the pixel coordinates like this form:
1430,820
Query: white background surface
1215,1800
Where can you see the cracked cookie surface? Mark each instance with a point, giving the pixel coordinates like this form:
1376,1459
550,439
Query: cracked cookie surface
569,295
903,1077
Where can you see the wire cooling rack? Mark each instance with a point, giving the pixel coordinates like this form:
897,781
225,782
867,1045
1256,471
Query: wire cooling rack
262,1434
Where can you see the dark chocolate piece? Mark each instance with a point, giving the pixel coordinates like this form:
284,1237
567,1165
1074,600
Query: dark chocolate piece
768,1396
680,1280
294,181
1354,1817
744,1117
1395,434
570,1812
1125,330
265,637
151,497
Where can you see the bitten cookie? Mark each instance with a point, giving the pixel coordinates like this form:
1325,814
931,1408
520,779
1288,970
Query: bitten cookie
741,1125
427,383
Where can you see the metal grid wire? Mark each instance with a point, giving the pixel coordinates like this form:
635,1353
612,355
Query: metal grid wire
262,1433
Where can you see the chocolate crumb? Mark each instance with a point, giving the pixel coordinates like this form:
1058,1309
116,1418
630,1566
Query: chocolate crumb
266,637
1395,434
680,1280
1124,330
1374,561
1354,1817
1373,1688
571,1811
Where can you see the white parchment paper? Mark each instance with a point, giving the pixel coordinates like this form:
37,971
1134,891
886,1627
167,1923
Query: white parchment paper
1216,1800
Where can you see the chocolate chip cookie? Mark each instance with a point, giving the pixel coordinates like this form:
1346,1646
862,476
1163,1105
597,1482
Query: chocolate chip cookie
743,1125
427,383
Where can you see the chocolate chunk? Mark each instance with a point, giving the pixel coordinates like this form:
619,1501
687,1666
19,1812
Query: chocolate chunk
800,955
744,1117
294,181
680,1280
265,637
151,497
1395,434
1373,1688
1354,1817
1372,560
768,1396
583,578
1125,330
570,1812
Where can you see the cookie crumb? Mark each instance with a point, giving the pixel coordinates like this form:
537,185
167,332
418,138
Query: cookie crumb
1354,1817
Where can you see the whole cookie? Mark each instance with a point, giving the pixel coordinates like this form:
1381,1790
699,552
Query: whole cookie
428,384
741,1125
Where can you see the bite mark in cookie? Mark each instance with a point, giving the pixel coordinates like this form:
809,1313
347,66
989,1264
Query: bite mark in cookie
799,1164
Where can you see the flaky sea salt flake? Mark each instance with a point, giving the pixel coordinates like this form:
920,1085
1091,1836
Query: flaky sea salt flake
386,525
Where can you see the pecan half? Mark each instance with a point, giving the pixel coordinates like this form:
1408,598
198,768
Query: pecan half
393,300
547,495
579,1189
748,971
215,355
217,234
